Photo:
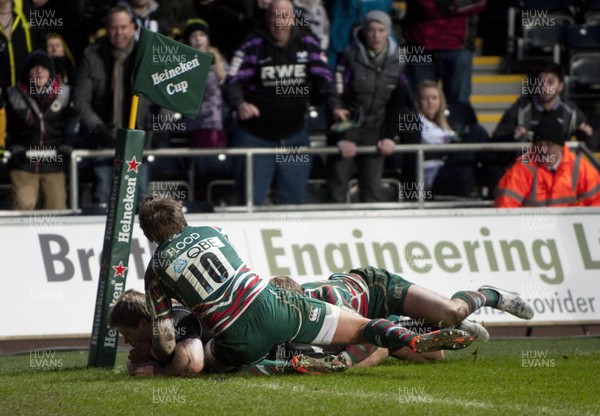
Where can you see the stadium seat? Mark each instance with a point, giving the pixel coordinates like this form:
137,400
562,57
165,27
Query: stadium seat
579,38
543,41
584,76
591,12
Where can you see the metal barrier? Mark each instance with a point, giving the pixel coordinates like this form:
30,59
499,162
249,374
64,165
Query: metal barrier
419,149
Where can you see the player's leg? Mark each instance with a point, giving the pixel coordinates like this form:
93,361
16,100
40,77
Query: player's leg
509,302
350,328
391,294
421,303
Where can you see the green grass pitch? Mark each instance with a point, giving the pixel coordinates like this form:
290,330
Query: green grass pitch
501,377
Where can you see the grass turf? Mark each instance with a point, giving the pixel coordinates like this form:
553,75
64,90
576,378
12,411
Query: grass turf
512,377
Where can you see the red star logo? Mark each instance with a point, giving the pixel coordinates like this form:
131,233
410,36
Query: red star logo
133,165
120,269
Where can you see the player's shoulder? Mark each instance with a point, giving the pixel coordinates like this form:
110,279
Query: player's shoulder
206,231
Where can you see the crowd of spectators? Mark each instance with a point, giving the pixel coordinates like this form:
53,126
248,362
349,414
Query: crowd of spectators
377,80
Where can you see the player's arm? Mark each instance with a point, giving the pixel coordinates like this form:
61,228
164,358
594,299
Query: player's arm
163,330
375,358
355,354
188,360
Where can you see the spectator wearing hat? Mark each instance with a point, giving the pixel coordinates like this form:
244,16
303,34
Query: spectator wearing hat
549,174
38,111
370,83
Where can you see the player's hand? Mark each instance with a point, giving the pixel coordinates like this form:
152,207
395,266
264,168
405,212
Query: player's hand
246,111
586,128
385,146
141,352
148,368
347,148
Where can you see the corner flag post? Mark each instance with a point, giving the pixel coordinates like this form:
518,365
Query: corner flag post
178,87
114,264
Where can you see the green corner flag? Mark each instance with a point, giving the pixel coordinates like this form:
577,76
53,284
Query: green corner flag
170,73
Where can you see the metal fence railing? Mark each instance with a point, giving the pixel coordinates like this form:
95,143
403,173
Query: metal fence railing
420,149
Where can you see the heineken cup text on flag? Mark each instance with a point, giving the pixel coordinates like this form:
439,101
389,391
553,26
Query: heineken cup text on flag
170,74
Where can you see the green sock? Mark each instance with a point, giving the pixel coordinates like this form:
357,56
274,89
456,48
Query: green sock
476,300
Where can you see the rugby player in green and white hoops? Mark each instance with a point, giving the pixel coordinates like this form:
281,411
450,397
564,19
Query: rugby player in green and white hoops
200,268
378,293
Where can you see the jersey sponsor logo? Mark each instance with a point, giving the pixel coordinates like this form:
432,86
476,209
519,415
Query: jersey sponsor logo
179,265
302,56
203,245
175,248
272,72
314,314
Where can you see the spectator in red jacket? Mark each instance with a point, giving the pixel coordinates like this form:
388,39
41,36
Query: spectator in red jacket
439,44
549,174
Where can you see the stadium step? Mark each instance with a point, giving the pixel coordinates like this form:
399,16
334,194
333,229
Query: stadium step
487,64
489,120
492,92
496,84
493,102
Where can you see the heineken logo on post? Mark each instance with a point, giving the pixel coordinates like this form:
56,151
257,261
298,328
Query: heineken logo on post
117,244
175,84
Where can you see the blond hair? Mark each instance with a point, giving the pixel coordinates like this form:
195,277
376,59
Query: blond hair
440,116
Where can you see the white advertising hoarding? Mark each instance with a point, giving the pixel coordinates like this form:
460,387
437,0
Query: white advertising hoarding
50,264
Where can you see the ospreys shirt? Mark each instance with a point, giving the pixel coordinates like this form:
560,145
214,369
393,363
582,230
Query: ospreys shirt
201,269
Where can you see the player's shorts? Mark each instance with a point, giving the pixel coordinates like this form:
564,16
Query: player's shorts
274,317
387,292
